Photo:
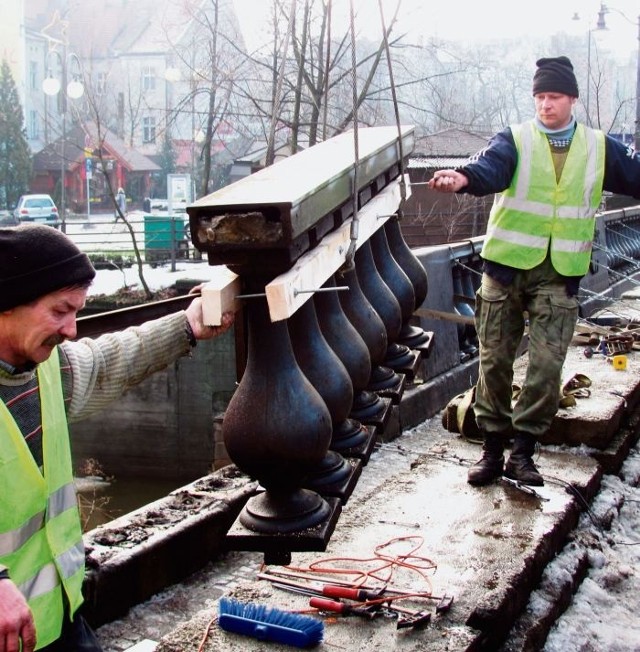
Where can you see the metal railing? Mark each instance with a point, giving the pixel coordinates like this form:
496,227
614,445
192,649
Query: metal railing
454,273
158,237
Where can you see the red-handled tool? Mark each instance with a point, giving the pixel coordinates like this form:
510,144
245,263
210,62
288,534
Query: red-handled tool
358,595
348,592
413,619
335,606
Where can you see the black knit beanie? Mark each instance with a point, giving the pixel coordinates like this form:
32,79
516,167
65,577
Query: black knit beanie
555,75
36,259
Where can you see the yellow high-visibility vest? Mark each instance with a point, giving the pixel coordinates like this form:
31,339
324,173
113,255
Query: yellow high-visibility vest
538,214
40,531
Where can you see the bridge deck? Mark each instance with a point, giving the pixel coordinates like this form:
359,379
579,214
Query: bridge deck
490,545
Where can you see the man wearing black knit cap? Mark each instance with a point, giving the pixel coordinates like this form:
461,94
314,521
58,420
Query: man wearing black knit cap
548,175
46,381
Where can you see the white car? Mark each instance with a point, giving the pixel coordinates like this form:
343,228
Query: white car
37,208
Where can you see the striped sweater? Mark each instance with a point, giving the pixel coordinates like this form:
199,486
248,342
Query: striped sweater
96,372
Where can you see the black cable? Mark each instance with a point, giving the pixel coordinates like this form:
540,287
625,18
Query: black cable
582,500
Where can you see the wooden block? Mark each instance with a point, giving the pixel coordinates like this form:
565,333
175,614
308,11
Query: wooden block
287,292
219,295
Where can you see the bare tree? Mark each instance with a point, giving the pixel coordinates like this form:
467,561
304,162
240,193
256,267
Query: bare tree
457,216
206,52
480,88
94,108
308,92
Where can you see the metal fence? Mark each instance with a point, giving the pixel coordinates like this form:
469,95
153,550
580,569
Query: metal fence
158,237
454,272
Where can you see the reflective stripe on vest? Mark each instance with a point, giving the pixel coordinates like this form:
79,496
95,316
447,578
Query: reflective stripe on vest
47,577
40,533
59,501
537,213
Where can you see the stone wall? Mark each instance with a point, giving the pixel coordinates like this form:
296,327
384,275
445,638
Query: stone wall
164,427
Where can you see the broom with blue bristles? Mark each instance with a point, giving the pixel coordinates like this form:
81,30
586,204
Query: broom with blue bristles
268,623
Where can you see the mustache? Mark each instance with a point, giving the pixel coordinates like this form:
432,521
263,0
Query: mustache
54,340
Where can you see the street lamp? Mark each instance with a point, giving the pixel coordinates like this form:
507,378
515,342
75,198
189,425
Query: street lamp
601,25
74,90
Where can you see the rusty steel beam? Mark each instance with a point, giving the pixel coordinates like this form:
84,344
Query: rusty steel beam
284,210
116,320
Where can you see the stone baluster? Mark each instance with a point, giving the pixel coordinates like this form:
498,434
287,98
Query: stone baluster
385,304
467,275
466,333
407,260
352,438
410,334
371,327
393,275
402,289
324,369
368,324
377,292
277,429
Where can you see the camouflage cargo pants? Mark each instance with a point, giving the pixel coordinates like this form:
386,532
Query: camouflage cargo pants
500,322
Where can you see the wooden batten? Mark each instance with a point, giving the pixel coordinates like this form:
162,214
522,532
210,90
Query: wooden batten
288,291
219,295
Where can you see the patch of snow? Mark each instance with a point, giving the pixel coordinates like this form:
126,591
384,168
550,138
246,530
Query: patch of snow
108,281
603,616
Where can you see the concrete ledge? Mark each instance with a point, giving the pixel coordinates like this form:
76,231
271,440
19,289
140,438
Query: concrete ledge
499,609
491,546
623,440
549,602
139,554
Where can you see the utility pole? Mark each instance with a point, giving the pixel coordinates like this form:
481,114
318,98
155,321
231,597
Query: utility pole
636,143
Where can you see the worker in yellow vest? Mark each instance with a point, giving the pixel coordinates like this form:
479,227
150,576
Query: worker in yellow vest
46,381
548,175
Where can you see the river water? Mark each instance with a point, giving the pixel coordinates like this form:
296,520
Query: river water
102,501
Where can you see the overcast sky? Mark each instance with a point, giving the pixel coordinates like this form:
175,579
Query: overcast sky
465,20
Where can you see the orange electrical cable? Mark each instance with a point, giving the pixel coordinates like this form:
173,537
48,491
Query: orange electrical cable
385,564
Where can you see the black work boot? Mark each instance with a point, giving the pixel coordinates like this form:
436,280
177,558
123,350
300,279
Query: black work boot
490,466
520,466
